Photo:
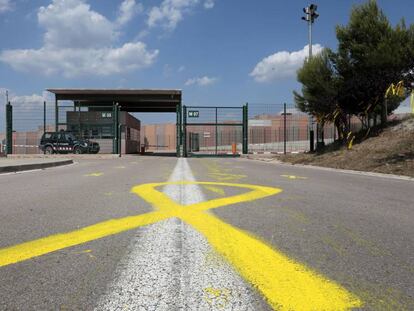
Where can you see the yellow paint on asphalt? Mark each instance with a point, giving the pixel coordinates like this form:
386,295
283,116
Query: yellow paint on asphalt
222,174
293,177
85,251
227,176
27,250
217,190
217,297
285,283
98,174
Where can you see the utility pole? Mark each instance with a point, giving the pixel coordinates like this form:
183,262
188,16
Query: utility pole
310,16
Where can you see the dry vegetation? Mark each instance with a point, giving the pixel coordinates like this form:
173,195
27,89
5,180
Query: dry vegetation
388,151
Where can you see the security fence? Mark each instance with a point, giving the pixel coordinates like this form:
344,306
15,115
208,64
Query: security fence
278,128
282,128
214,130
253,128
26,123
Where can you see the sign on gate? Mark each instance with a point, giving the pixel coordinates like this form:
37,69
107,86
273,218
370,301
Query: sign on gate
193,114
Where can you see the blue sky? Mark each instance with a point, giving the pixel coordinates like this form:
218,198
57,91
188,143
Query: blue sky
219,52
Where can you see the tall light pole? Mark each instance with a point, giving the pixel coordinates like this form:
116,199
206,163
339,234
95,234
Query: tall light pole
310,16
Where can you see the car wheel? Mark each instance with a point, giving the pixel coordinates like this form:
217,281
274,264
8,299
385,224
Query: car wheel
77,150
49,150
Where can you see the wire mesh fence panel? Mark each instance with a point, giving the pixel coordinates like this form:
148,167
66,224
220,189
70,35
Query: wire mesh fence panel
214,140
273,130
213,130
30,120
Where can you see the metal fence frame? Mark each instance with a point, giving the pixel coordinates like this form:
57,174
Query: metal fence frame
216,122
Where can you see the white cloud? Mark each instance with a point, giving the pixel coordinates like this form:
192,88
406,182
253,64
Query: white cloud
170,13
209,4
127,10
5,5
79,41
72,24
282,64
201,81
76,62
27,102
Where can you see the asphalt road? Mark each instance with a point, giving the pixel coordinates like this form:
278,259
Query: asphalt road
216,234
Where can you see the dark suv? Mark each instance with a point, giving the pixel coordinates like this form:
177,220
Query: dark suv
66,142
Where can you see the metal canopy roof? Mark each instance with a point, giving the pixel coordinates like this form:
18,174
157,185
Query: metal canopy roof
131,100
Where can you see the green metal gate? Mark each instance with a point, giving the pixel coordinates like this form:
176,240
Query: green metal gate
214,131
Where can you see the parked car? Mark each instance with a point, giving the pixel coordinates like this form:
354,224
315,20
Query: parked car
66,142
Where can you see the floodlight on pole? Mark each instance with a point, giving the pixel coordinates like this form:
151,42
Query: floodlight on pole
310,16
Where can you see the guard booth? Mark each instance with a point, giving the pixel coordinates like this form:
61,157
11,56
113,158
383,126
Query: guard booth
104,114
215,131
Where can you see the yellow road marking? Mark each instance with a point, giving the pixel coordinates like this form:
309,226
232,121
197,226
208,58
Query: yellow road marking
293,177
94,174
217,297
286,284
217,190
56,242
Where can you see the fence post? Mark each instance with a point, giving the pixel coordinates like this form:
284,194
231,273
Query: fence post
245,129
311,135
184,131
44,117
284,128
56,114
216,133
115,129
178,134
44,121
9,128
119,134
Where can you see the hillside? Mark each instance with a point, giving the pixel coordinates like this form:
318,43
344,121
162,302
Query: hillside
389,151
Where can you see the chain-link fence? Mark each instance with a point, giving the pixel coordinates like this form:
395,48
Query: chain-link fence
214,130
29,120
274,128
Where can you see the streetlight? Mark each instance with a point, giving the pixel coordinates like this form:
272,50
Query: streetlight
310,16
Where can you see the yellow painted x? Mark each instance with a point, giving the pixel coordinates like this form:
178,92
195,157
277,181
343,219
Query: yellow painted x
286,284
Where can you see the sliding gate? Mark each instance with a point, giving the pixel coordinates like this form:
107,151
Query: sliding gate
214,130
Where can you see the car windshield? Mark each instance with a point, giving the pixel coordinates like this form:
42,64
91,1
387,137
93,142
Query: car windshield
70,136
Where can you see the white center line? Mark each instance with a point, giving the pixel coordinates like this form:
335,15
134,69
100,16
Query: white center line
170,266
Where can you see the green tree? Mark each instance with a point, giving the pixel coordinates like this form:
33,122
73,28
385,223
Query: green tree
372,55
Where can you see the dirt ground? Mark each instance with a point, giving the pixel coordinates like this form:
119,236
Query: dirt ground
390,151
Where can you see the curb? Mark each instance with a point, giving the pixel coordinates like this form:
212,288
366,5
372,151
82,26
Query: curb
34,166
331,169
65,156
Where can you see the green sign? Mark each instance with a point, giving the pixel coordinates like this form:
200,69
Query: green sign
193,114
